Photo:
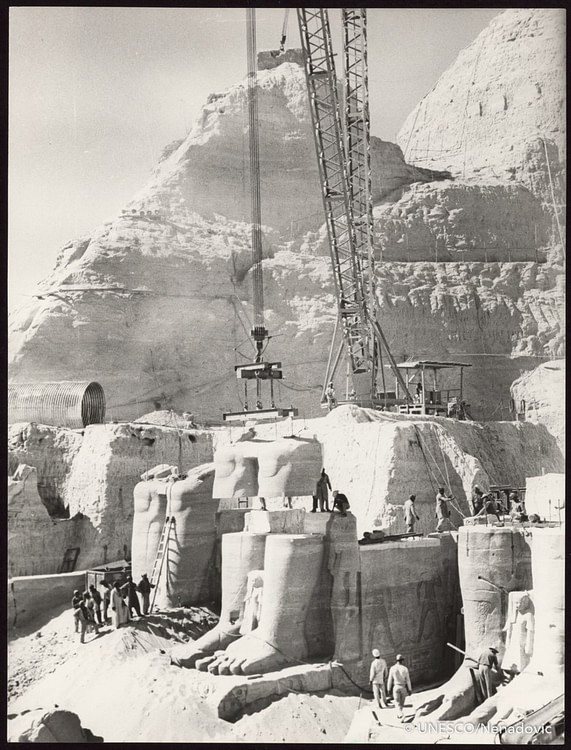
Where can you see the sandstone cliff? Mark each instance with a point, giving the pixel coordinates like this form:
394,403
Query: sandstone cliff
154,304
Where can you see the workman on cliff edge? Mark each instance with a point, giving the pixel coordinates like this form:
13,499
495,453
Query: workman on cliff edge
321,492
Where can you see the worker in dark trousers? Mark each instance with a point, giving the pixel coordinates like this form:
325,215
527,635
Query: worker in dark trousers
340,502
129,590
477,501
321,491
145,587
486,662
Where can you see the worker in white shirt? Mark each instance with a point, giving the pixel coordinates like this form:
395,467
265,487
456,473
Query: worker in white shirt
399,683
378,678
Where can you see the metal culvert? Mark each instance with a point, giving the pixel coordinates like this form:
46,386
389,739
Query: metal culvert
67,403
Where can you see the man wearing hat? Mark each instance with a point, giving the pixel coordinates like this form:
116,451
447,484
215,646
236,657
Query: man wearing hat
399,683
378,678
486,661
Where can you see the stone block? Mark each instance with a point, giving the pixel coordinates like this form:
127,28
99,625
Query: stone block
288,521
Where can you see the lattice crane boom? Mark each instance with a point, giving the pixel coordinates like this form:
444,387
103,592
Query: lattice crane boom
343,156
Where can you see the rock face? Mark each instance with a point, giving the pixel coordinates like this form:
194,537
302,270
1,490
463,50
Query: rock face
539,396
154,305
36,541
86,484
499,110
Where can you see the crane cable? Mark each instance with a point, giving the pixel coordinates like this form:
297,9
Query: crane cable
284,31
254,153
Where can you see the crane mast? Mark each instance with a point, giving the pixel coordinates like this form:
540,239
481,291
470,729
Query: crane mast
260,370
343,156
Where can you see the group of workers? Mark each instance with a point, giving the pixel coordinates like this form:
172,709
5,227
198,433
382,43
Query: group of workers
489,504
321,497
91,607
482,504
397,678
384,681
442,512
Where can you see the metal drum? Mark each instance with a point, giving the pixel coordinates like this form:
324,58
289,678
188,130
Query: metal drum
67,403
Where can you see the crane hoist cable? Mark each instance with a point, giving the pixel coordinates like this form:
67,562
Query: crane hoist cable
284,31
259,332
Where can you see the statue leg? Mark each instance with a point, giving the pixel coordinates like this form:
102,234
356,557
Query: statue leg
241,553
291,575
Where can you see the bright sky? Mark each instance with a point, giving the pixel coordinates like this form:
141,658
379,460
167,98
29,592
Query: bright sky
95,94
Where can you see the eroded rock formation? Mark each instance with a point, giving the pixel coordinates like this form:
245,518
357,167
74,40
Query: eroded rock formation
86,482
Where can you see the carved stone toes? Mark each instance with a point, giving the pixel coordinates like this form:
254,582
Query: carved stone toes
236,666
202,664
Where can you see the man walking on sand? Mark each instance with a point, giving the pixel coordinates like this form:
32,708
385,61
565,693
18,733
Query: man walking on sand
399,683
378,678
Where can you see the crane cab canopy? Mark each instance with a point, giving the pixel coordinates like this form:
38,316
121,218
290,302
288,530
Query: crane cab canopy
435,388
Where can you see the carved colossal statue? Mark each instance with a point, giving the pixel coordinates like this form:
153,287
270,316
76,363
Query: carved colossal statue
188,563
287,467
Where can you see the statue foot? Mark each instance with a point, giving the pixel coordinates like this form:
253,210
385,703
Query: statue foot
215,640
251,655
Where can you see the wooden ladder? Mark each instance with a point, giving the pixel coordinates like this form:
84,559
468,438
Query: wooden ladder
162,550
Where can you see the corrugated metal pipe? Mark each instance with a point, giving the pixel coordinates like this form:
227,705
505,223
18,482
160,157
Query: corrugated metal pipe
68,403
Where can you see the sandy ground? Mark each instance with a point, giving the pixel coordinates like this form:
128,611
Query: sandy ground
123,688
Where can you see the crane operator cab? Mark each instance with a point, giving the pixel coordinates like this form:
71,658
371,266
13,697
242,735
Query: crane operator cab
436,389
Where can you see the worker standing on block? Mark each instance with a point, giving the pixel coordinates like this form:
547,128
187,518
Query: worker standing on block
321,491
378,678
410,515
340,502
477,500
399,683
145,587
442,511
